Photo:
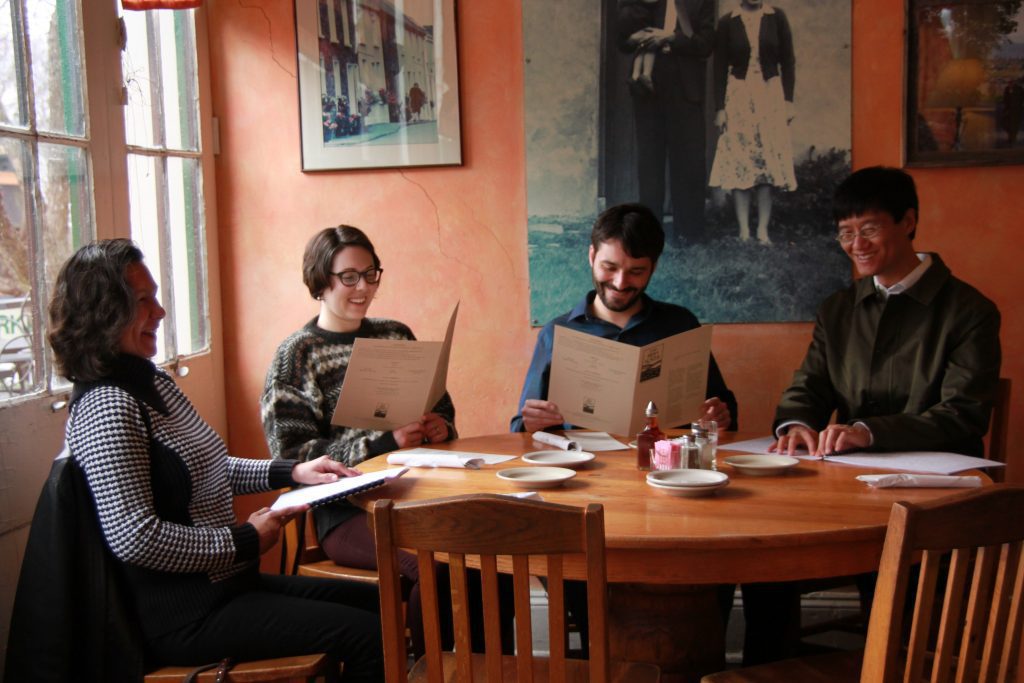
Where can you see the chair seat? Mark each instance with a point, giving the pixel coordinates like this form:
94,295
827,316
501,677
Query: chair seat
329,570
577,671
835,667
261,671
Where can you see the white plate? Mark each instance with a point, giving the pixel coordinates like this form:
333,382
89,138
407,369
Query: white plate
536,477
571,459
687,483
762,465
687,478
632,444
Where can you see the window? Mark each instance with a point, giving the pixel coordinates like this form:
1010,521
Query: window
66,171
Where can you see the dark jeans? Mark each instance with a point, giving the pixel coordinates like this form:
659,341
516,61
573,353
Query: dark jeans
351,544
285,616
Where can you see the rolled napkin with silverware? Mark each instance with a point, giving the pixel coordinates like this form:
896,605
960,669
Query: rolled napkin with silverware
435,460
904,480
556,441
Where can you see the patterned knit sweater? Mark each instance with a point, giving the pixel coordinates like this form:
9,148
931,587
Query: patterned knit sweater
163,485
301,391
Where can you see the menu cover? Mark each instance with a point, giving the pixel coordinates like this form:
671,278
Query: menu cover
322,494
605,385
392,382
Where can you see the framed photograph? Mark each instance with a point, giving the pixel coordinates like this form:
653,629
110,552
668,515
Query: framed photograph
378,83
965,94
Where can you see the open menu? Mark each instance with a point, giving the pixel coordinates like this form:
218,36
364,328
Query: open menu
321,494
605,385
392,382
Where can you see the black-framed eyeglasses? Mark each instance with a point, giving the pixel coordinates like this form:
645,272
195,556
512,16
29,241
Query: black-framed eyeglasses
350,278
867,232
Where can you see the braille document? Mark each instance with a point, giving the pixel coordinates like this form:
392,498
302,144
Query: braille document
605,385
392,382
321,494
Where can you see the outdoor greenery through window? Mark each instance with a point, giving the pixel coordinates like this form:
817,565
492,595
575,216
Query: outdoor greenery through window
52,152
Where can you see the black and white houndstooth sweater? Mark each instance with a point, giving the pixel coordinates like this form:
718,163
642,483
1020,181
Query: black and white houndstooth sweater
164,491
302,388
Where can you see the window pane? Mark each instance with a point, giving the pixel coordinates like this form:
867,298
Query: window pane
56,46
146,209
12,111
188,254
17,367
159,65
60,224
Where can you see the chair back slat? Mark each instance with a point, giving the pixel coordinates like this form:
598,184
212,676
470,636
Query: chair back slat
393,625
920,632
556,619
489,531
430,609
460,616
971,560
492,616
1015,624
1002,593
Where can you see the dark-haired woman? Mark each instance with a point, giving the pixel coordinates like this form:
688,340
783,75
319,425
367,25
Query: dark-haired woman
342,272
163,485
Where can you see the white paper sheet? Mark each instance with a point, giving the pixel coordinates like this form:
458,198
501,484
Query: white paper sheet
487,458
916,461
595,441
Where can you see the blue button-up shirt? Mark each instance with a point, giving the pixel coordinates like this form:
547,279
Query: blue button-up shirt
656,320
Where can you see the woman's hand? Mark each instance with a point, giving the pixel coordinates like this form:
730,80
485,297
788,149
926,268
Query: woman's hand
435,429
720,120
323,470
410,435
269,522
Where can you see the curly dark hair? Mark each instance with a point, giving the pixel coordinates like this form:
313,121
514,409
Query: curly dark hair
92,304
319,255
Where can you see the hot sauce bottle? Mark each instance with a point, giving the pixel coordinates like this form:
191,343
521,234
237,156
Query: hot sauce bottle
646,439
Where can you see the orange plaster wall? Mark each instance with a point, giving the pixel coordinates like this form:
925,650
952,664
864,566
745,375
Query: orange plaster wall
448,234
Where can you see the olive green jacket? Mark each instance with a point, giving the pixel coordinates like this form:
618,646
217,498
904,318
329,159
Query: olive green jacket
919,368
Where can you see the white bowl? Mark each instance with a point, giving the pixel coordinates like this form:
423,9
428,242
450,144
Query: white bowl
762,465
687,483
536,477
571,459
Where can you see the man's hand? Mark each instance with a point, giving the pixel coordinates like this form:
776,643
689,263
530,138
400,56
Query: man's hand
796,436
268,523
538,415
835,438
410,435
323,470
435,429
715,409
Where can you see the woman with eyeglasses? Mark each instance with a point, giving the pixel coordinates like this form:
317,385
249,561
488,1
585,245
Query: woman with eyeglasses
342,271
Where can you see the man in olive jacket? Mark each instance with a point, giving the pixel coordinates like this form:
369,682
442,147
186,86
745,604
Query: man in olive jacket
907,356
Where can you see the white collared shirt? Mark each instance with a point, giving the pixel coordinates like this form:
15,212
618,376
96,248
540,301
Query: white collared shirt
909,281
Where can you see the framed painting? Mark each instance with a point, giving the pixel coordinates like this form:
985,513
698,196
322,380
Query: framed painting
965,94
378,83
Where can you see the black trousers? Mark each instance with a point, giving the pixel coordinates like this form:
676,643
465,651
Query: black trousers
285,616
670,127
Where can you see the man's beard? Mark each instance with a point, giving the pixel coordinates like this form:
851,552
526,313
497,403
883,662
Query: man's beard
610,305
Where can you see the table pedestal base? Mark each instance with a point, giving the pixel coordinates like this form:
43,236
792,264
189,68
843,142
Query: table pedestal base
679,628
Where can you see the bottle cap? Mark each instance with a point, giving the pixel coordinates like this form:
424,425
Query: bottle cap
652,409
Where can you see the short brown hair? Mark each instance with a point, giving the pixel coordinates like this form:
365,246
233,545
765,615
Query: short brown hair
92,304
318,258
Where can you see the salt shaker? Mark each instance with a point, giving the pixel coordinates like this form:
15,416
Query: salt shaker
689,455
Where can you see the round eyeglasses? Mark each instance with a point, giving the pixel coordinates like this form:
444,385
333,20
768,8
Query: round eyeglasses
350,278
867,232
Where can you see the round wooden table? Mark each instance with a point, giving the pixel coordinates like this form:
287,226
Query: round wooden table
815,520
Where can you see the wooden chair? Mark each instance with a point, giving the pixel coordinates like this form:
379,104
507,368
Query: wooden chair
306,667
998,428
301,554
978,633
537,537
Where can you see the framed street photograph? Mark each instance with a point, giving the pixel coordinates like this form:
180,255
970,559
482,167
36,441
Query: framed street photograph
965,84
378,83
